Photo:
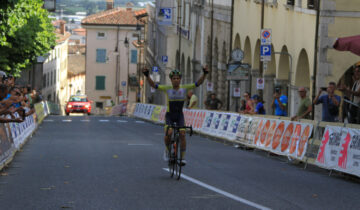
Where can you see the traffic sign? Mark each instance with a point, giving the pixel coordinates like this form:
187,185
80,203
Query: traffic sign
164,58
265,36
155,69
260,83
265,50
123,83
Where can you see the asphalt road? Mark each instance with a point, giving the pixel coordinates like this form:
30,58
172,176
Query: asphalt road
116,163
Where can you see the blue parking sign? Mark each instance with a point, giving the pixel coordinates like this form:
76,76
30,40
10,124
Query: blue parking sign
164,59
265,50
155,69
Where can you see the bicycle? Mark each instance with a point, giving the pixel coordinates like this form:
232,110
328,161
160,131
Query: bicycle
174,150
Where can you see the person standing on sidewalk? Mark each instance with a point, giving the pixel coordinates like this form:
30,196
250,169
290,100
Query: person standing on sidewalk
213,103
330,103
279,103
305,107
193,100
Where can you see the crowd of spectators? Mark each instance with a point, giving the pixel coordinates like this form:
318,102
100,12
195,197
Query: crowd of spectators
16,101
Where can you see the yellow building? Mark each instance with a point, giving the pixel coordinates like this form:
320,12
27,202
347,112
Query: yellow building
294,37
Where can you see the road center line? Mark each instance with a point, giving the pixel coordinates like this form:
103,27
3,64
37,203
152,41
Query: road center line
103,120
85,120
122,121
139,121
67,120
226,194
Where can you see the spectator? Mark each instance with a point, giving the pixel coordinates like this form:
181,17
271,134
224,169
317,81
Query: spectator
330,103
249,106
193,100
305,107
279,103
213,103
259,105
354,93
242,105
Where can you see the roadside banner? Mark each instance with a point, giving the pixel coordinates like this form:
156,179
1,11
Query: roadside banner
252,130
207,122
20,131
215,124
233,127
6,143
329,151
156,114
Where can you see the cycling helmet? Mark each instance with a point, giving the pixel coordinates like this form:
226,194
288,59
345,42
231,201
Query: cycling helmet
175,72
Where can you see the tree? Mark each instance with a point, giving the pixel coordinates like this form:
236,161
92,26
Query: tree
26,32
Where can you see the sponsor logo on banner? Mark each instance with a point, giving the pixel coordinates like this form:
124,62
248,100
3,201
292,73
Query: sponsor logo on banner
207,123
278,134
287,137
258,132
252,130
232,127
295,138
156,114
201,120
162,115
342,163
270,133
303,141
243,126
197,113
264,132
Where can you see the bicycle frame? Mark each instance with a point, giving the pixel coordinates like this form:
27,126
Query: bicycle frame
174,150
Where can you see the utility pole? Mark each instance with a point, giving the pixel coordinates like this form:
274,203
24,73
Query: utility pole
179,28
261,70
211,39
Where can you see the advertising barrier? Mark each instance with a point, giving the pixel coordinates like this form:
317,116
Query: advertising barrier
14,135
340,150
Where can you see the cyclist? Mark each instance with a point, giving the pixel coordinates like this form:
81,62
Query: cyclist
175,96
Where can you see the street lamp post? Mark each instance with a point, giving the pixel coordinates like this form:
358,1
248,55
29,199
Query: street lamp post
126,43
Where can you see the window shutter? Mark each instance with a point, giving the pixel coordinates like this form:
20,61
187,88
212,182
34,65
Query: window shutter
100,83
100,55
133,56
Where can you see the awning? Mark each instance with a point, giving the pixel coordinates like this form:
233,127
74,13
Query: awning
351,43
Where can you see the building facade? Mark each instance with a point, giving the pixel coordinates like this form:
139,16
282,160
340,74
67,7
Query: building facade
111,59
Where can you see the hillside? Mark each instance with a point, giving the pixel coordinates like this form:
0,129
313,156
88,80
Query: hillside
70,7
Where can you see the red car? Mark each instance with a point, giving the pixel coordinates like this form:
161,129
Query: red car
78,104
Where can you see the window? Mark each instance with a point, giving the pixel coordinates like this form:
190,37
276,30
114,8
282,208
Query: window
133,56
99,105
312,4
52,81
100,83
54,76
44,80
290,2
48,79
100,55
101,35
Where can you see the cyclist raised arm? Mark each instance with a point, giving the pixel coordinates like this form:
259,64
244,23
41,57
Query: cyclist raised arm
176,95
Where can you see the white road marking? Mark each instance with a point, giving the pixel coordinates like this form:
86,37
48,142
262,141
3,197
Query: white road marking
121,121
226,194
139,144
67,120
48,120
85,120
103,120
139,121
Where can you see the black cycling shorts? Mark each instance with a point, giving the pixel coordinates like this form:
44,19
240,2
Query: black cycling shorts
178,118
